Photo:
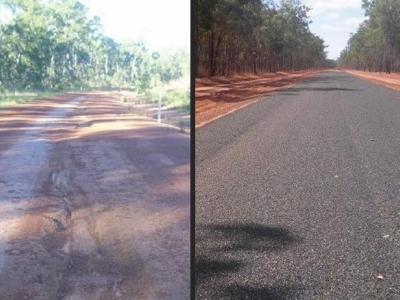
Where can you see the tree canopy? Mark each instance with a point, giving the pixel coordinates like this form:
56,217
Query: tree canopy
53,44
235,36
376,44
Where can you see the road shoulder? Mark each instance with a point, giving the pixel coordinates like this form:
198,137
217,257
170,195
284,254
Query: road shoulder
391,81
220,96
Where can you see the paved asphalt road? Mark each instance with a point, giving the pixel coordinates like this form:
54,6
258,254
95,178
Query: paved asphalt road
298,195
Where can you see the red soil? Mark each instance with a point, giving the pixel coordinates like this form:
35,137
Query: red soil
94,202
218,96
391,80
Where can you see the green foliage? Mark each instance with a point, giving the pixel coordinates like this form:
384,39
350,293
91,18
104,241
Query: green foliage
172,96
376,44
178,98
235,36
53,45
7,99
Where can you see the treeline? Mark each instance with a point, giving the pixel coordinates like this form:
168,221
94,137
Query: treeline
235,36
376,44
53,45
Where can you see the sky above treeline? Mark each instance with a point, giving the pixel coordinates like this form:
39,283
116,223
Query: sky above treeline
334,20
159,24
166,24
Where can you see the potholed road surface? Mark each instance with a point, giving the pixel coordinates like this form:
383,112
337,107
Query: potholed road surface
298,195
94,202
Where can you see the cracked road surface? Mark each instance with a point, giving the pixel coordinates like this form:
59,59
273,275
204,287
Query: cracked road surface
298,195
94,202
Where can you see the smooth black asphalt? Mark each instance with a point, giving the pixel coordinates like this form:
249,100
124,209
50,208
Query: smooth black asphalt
298,195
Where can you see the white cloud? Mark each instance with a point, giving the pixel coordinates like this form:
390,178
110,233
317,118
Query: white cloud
333,4
331,7
355,21
334,28
334,20
333,16
344,25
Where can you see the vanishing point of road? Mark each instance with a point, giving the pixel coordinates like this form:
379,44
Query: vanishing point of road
298,195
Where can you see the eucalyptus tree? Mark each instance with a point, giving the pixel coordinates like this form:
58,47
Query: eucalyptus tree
53,44
376,44
235,36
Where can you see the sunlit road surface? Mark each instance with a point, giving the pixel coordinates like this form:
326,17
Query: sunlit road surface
298,195
94,203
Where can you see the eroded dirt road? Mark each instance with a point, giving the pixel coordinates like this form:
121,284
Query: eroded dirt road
94,203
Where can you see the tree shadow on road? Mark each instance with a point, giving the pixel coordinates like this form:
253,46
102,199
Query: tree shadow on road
261,293
218,259
294,91
209,267
251,236
322,89
329,78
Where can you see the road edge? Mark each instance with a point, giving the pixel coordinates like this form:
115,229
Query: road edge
373,80
255,99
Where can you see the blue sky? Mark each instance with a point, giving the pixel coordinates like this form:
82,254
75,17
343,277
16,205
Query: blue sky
334,20
160,24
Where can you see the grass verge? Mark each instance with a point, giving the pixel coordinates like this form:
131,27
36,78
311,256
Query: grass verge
10,99
176,97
